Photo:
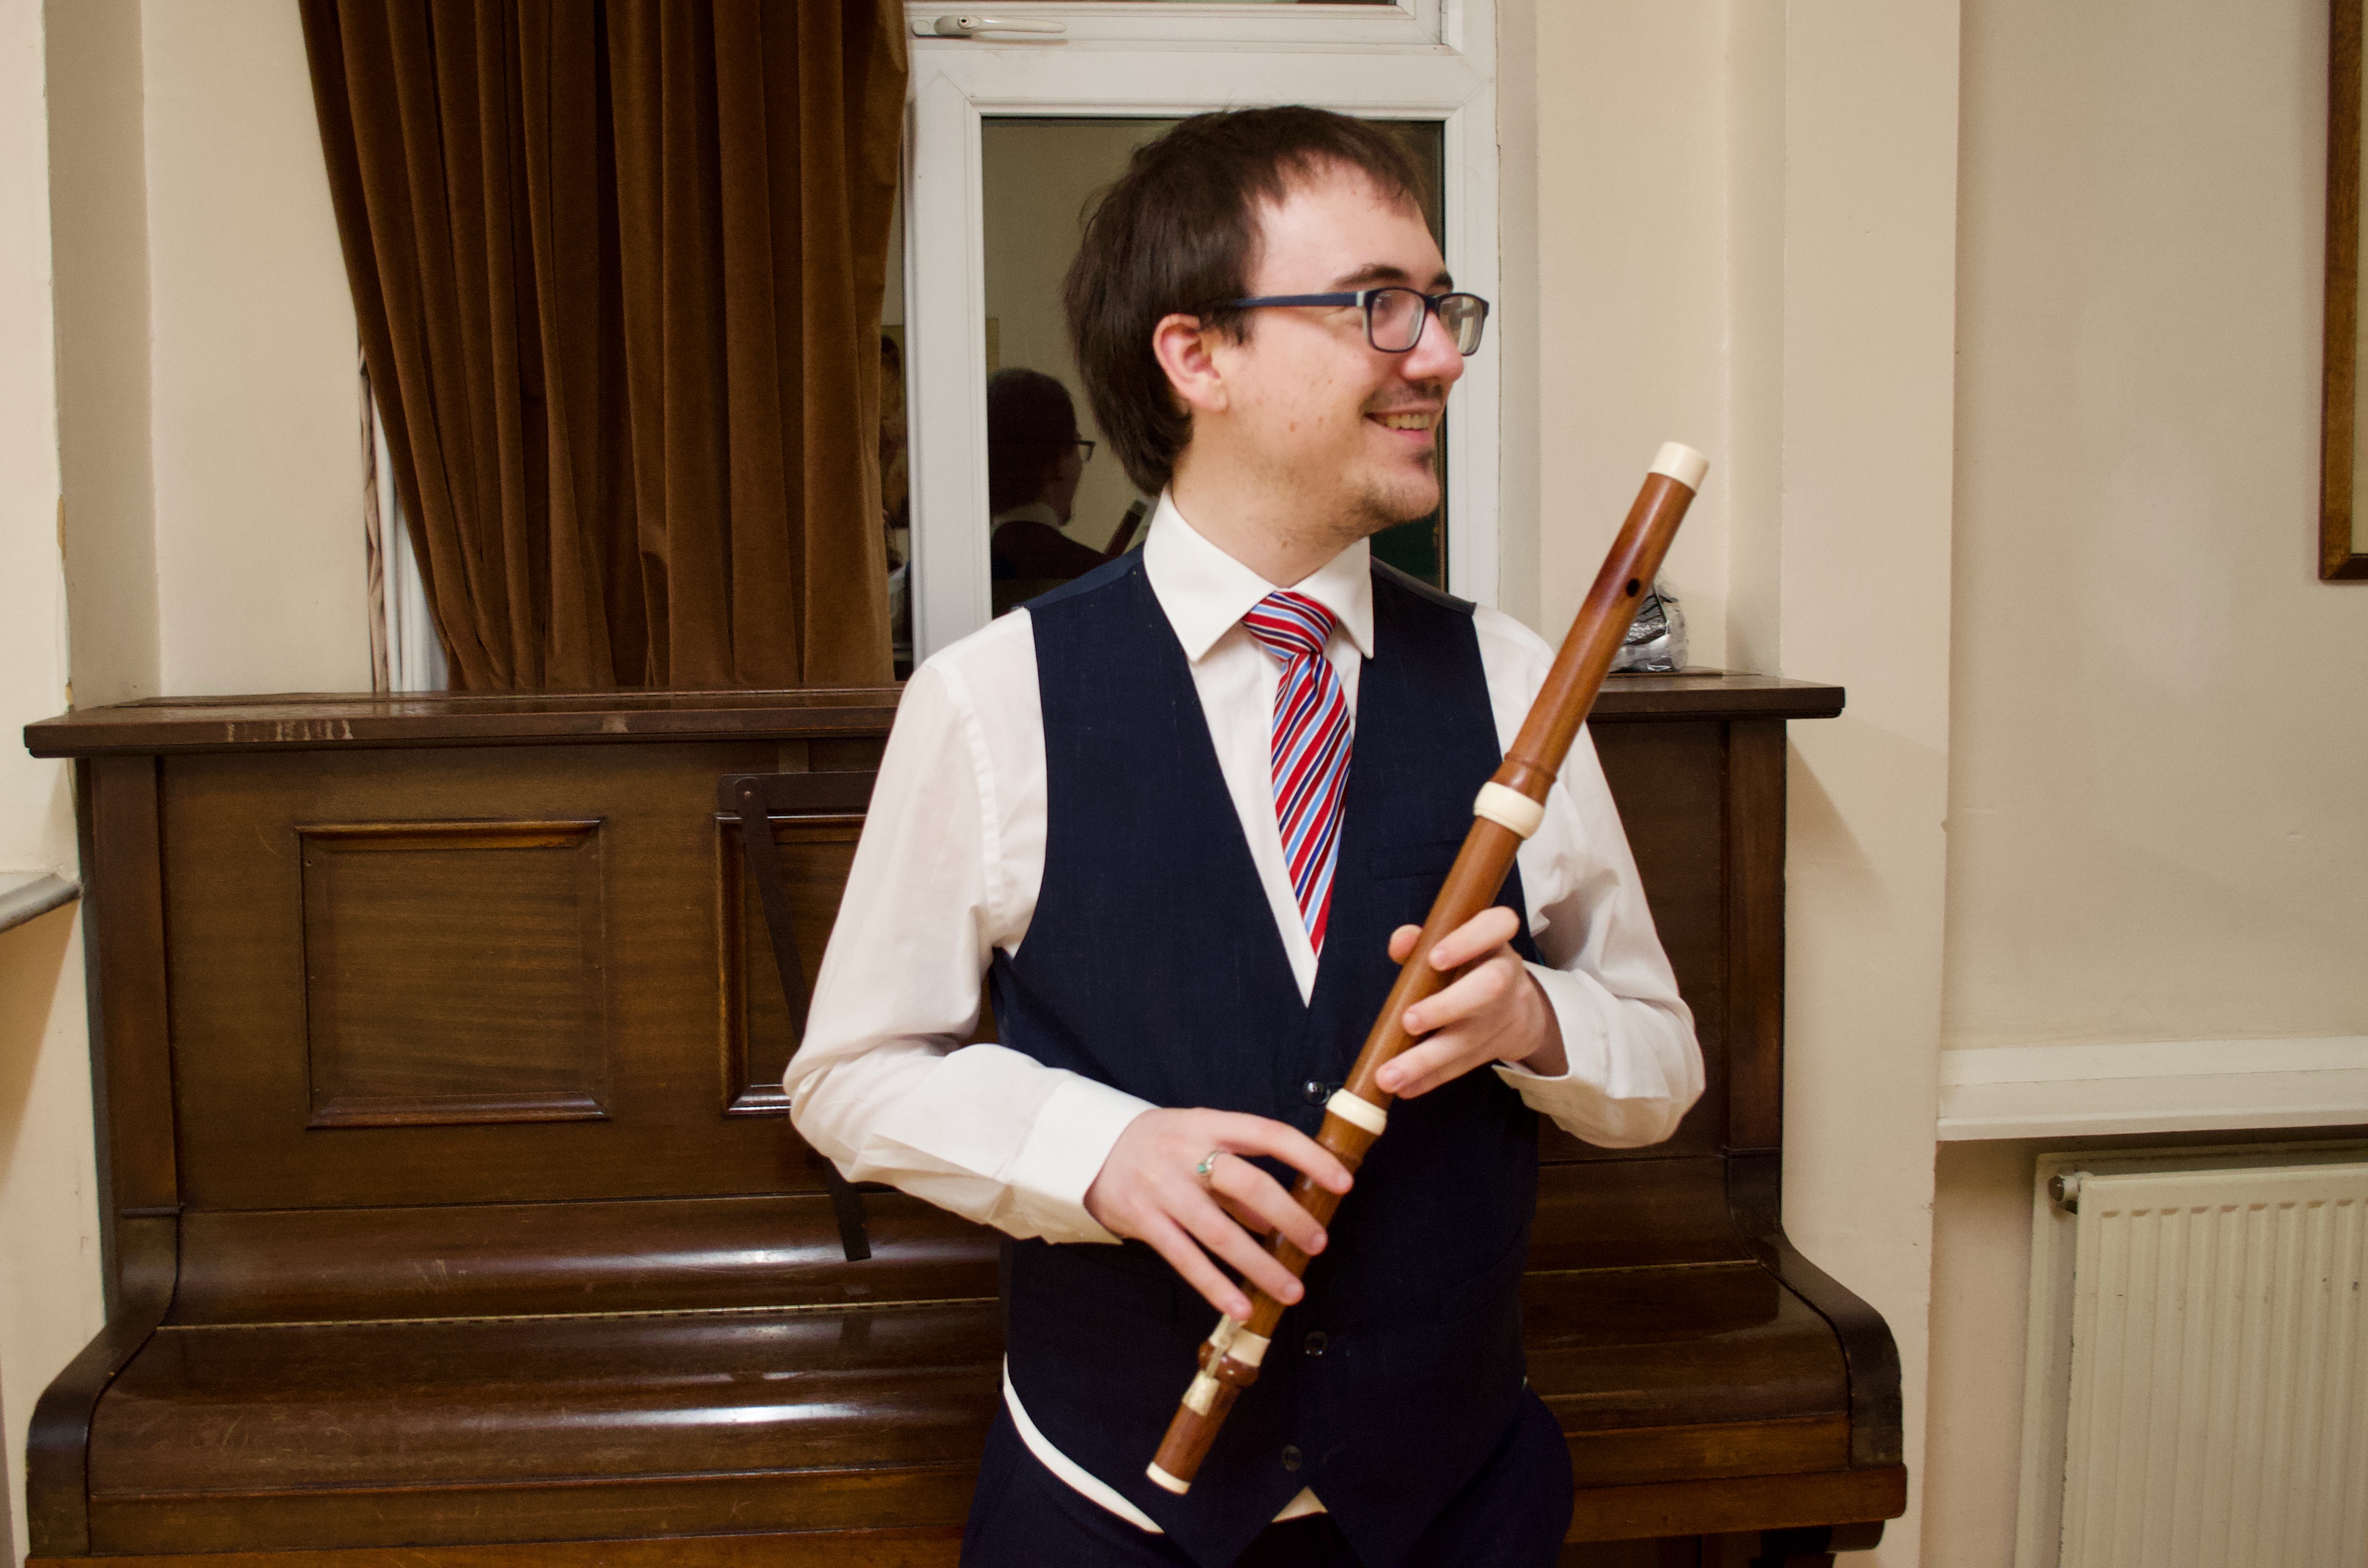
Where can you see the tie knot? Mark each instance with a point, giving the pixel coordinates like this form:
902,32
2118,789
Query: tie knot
1290,626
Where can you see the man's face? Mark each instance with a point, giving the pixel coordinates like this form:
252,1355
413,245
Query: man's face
1349,434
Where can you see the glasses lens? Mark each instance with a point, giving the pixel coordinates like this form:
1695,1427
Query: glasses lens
1464,316
1394,319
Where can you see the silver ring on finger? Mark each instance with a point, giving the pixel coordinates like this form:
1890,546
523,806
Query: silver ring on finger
1207,1169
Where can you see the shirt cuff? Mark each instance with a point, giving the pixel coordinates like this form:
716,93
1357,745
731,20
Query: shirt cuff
1064,1152
1585,1045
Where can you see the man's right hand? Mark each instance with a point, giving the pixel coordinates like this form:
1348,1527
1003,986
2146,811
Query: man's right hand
1150,1189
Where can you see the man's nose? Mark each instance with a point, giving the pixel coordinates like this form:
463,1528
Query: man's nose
1433,357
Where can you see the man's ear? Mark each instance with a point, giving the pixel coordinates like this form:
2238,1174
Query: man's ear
1182,346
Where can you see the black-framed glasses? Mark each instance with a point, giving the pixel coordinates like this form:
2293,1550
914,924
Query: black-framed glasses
1394,317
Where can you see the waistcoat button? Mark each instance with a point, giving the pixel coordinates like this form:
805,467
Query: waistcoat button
1315,1343
1290,1456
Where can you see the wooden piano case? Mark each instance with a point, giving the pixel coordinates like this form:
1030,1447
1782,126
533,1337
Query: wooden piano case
453,1219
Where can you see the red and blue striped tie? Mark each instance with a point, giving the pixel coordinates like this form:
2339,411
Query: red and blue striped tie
1311,747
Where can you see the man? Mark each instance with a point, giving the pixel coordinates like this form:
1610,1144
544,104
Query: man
1183,810
1034,459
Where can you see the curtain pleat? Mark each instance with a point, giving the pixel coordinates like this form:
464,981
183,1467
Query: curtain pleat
618,269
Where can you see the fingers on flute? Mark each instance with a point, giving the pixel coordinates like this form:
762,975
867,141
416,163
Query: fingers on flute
1476,938
1462,1026
1248,1219
1437,1060
1244,1187
1247,1134
1232,1244
1466,997
1171,1241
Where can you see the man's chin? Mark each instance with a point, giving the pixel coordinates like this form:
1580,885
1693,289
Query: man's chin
1396,504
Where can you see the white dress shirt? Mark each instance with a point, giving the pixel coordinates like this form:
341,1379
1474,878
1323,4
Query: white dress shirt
952,857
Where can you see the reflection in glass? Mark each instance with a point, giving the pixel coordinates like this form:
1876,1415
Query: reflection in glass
1035,461
896,499
1038,176
895,463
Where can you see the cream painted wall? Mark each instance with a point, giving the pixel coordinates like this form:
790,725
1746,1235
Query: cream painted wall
36,810
261,579
1519,358
1981,1296
99,240
2159,803
1747,235
1862,594
49,1298
209,398
2158,792
51,1301
1631,317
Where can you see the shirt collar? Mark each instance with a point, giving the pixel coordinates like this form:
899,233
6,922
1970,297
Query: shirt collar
1206,591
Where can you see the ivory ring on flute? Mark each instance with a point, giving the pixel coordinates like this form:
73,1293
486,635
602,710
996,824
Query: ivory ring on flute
1165,1482
1681,463
1358,1111
1508,808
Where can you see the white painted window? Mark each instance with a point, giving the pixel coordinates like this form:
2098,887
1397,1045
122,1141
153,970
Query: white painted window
1423,61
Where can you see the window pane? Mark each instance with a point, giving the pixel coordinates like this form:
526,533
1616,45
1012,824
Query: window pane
1052,520
1419,548
896,471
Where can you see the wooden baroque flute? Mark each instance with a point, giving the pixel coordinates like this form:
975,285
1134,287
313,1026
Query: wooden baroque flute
1509,807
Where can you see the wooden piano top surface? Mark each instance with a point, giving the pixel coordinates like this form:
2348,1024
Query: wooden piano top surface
332,721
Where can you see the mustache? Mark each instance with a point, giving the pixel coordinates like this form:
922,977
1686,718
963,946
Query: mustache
1431,399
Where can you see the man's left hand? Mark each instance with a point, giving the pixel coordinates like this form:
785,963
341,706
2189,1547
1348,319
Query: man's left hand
1494,1012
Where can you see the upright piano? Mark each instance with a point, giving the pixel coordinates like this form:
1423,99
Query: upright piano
453,1219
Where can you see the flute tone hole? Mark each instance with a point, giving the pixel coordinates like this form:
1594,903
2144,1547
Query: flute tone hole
1632,587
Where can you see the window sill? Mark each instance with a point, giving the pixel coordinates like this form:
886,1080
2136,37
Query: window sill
2045,1091
27,895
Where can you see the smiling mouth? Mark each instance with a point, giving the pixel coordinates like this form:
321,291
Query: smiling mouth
1409,419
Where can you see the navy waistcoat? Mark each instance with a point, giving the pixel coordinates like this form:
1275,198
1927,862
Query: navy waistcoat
1152,964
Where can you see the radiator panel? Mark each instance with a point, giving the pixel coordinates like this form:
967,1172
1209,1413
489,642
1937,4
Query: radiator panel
2218,1389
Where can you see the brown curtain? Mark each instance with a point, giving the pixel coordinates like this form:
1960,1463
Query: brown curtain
618,266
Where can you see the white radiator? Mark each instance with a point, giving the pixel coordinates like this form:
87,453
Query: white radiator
2199,1396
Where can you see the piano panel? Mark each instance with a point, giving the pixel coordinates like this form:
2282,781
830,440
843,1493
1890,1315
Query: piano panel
758,1039
1668,780
454,972
242,1065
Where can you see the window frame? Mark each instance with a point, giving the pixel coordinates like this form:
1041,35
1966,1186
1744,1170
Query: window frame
1415,23
1438,65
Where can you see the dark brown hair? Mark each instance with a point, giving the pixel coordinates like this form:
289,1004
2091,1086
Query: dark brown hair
1030,424
1180,233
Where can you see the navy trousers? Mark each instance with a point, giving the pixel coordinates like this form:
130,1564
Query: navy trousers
1512,1515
